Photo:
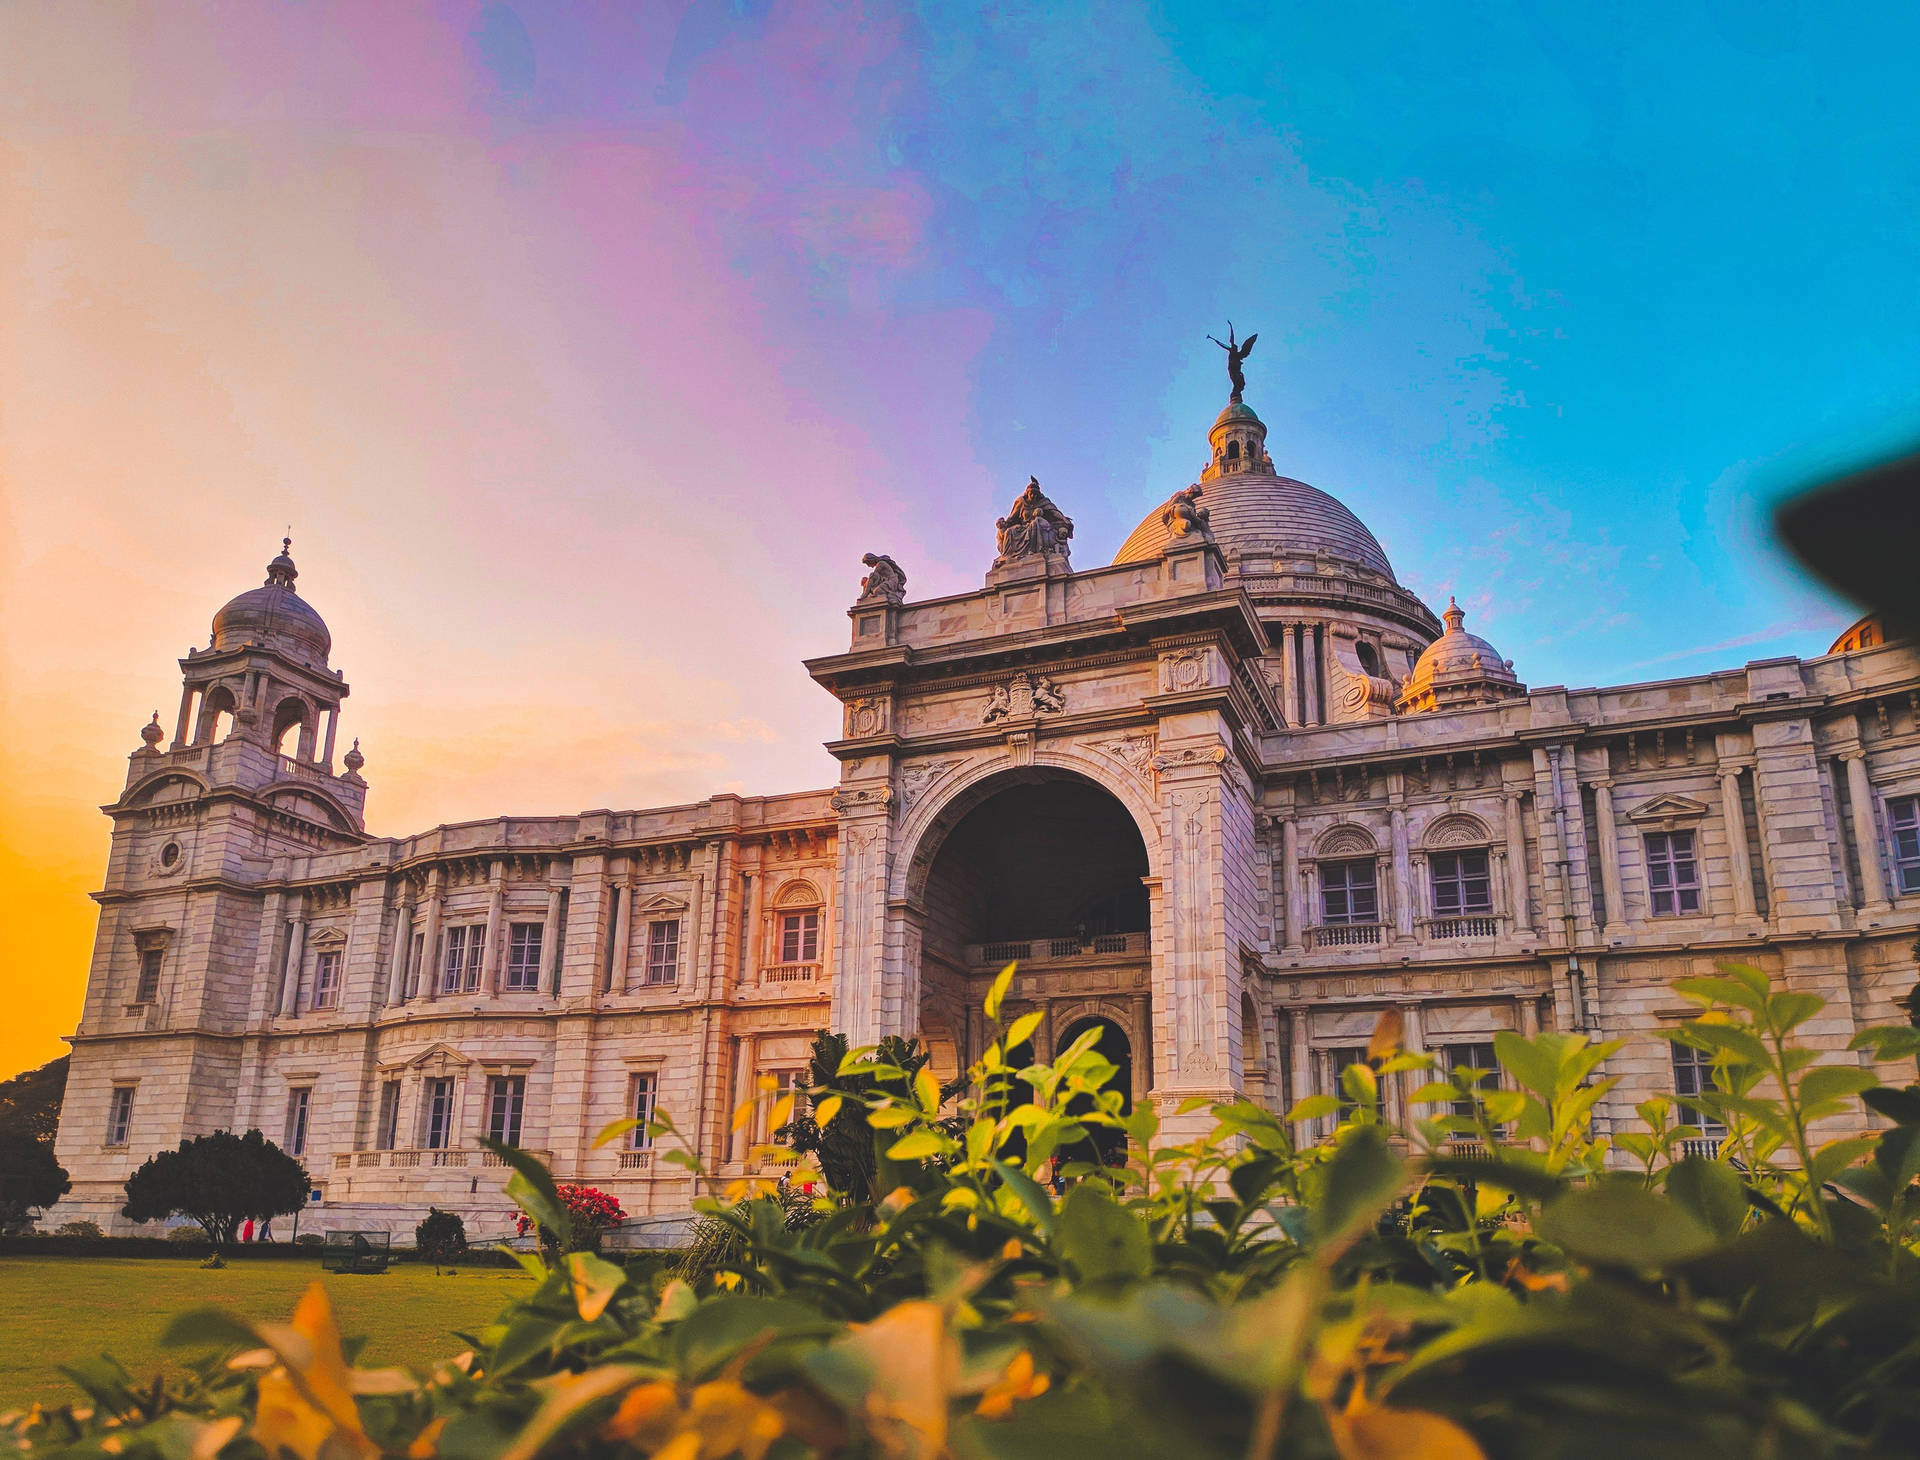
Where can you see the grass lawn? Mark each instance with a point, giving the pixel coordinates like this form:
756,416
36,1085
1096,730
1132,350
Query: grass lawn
54,1310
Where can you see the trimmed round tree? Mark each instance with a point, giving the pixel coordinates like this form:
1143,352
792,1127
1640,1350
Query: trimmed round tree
29,1177
219,1181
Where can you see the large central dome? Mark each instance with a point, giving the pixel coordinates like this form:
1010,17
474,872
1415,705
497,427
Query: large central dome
1255,512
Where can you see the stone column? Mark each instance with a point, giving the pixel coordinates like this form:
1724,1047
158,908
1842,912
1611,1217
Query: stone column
1866,836
1414,1040
1402,877
397,955
1290,879
1734,815
1288,670
1517,868
1299,1054
876,983
622,934
1310,676
548,977
426,977
333,727
180,726
1609,854
489,948
296,952
1527,1012
309,733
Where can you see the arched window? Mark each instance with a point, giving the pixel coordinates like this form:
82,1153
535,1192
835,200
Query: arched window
216,715
1233,451
797,929
1369,658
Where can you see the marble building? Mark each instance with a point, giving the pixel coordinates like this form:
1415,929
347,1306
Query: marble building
1229,797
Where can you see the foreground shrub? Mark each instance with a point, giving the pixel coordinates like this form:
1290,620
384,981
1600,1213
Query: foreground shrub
89,1231
1494,1279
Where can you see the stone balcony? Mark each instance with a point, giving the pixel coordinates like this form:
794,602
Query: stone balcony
1031,951
430,1157
1346,935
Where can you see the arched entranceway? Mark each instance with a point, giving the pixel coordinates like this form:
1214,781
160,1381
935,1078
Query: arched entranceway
1046,869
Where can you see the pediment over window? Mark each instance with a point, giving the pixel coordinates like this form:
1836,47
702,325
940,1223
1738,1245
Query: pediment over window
1668,810
1457,829
439,1058
328,938
660,902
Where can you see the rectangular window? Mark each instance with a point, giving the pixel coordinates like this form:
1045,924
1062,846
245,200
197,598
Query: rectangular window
476,949
1693,1075
454,961
149,988
326,980
663,951
439,1112
523,955
1904,816
800,937
1339,1059
1461,884
785,1083
416,958
1673,875
120,1115
1473,1057
387,1130
506,1098
299,1105
642,1091
1347,893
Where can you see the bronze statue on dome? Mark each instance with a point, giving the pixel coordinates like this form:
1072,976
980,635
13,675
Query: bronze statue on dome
1237,352
1033,526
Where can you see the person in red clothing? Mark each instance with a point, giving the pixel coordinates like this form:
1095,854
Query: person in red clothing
246,1232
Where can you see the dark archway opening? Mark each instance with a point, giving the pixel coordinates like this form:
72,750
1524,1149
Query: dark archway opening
1104,1145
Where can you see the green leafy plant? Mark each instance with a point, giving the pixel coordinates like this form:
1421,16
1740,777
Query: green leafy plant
1488,1277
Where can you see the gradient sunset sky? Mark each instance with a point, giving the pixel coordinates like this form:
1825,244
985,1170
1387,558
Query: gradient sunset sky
586,348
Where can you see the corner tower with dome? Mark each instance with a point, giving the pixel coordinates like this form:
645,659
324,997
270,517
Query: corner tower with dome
1224,801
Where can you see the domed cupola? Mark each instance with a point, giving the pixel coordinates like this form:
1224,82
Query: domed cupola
1458,670
275,616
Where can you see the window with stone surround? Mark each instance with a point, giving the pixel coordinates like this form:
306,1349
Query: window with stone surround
437,1099
1348,893
800,936
643,1089
523,955
460,970
1673,873
1475,1056
149,986
1462,883
1903,817
299,1108
326,979
120,1115
1338,1060
785,1083
386,1130
506,1100
1693,1075
416,960
663,951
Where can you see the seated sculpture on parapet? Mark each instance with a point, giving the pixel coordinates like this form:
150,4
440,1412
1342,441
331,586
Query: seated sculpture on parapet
1033,527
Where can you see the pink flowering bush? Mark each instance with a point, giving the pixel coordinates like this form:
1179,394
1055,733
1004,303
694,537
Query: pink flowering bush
593,1211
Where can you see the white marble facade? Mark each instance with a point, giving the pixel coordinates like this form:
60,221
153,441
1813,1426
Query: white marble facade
1233,794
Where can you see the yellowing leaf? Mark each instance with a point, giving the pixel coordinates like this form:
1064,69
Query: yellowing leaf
998,993
1389,1035
782,1112
824,1112
926,1090
594,1281
1022,1029
742,1114
1376,1432
913,1365
766,1083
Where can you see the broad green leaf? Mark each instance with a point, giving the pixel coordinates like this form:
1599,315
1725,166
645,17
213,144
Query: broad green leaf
1360,1085
1835,1082
1836,1156
1022,1028
1711,1193
917,1145
1363,1176
1788,1011
1621,1224
892,1117
1533,1064
1100,1239
1313,1107
1721,991
1031,1195
532,1189
998,993
613,1130
1888,1041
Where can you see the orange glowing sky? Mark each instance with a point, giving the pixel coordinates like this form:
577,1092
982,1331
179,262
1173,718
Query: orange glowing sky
584,348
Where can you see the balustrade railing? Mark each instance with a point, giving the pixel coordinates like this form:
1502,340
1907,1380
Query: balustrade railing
790,973
1048,950
428,1156
1471,925
636,1160
1344,935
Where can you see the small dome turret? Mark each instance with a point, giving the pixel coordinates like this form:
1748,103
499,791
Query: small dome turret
1458,669
275,616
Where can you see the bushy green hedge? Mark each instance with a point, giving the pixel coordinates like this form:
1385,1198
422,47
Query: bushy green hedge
1496,1282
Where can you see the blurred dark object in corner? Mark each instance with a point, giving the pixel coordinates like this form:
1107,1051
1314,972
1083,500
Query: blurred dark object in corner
1860,535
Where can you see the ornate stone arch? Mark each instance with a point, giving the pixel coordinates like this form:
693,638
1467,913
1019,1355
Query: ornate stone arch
147,790
797,892
1345,840
1456,829
927,826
